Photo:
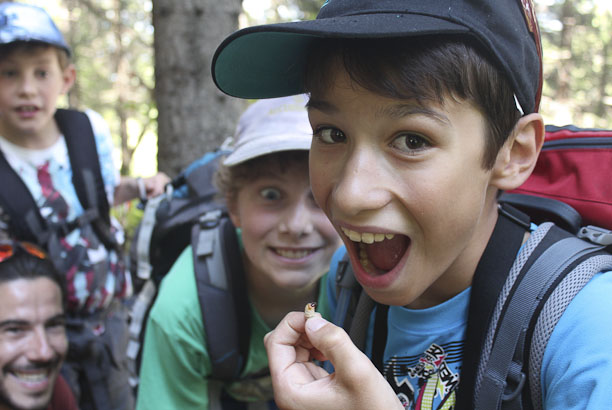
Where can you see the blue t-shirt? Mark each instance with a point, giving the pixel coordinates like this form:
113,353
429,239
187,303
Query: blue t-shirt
423,355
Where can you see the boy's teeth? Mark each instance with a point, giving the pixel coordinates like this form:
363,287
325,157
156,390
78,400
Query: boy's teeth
291,254
366,237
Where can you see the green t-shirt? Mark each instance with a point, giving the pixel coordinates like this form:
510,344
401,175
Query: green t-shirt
175,362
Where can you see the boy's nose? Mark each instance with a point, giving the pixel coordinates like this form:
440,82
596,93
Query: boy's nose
297,221
26,85
361,184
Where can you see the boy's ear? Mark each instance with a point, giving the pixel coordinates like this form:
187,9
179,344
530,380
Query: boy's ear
517,158
233,214
68,77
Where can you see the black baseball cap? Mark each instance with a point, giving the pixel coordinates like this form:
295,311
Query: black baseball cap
269,60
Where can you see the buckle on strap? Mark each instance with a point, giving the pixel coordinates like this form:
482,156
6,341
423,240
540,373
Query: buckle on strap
210,219
596,235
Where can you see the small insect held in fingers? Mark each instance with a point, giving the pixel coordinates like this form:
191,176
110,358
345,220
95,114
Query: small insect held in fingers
309,310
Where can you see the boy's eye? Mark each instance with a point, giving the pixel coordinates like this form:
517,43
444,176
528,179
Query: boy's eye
271,194
42,73
330,135
410,142
8,73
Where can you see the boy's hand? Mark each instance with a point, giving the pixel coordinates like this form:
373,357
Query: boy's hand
156,184
301,384
131,188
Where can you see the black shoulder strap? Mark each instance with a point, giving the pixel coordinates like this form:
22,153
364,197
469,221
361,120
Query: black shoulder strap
84,159
222,293
17,201
490,275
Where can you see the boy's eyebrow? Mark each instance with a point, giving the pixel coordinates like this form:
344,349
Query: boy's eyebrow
395,111
321,105
398,111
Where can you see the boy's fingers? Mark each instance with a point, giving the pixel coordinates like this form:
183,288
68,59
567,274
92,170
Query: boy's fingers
283,343
335,344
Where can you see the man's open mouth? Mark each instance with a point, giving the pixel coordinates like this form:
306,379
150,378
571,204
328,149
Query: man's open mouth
378,252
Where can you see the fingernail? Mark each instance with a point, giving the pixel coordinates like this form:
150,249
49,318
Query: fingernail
315,323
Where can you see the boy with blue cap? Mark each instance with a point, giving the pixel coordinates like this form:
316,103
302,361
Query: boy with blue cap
64,207
422,112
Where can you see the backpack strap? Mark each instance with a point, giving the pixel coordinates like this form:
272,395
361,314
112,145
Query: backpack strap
83,154
501,381
17,201
221,284
348,291
86,172
489,277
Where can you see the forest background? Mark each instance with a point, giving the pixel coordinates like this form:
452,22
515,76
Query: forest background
145,66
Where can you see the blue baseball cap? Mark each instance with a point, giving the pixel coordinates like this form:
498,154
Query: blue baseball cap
269,60
24,22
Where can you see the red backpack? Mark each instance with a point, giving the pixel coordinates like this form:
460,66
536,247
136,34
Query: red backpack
574,167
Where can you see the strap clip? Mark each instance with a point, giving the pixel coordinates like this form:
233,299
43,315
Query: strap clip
596,235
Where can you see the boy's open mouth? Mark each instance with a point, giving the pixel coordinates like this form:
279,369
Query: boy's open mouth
378,252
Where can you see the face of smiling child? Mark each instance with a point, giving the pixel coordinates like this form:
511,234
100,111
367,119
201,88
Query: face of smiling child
287,238
405,187
33,341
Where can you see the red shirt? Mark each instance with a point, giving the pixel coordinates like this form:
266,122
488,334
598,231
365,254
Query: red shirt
62,398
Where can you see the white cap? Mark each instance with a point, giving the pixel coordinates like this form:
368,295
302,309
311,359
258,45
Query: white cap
271,125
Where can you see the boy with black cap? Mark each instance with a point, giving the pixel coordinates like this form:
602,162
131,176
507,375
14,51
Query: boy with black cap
39,149
422,113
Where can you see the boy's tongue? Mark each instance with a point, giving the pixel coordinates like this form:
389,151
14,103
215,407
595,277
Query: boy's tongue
386,254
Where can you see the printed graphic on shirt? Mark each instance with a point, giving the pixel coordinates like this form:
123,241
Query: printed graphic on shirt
428,381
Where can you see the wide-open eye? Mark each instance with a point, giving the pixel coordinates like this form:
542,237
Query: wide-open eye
41,73
8,73
410,143
271,194
330,135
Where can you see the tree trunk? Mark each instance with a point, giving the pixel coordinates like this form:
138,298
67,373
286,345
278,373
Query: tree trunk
194,116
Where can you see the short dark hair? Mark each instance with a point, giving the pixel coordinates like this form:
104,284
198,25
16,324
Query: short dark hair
22,265
229,180
31,47
425,70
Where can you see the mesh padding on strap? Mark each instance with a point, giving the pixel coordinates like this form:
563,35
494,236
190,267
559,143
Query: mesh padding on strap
523,256
551,313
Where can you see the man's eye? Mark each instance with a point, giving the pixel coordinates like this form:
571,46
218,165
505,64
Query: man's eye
271,194
330,135
12,330
410,142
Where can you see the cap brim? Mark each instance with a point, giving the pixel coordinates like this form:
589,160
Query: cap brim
268,61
